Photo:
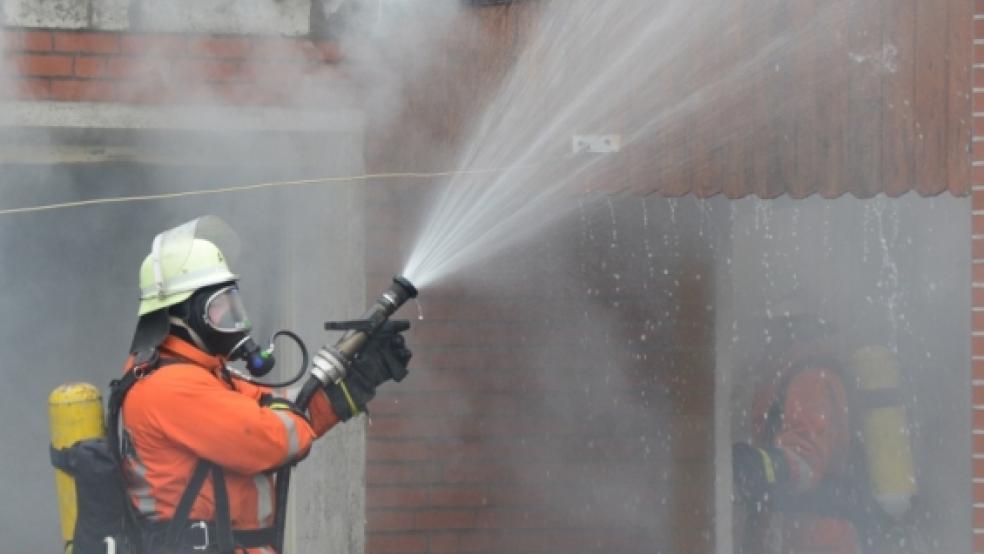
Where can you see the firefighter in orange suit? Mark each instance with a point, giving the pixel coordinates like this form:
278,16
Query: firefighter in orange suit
786,480
187,406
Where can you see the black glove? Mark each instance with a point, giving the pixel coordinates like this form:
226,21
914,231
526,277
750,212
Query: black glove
756,471
384,358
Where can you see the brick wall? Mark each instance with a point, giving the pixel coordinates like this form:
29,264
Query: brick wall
977,321
561,396
166,68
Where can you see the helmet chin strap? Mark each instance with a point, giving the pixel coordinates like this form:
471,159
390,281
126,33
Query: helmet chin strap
191,333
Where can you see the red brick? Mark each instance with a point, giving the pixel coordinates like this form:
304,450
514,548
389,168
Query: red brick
979,10
396,497
978,468
978,120
244,94
388,520
977,444
454,497
978,200
128,67
152,91
83,91
328,51
978,98
90,67
525,495
978,373
519,519
444,543
281,72
87,42
219,47
978,519
978,151
977,175
977,321
978,272
977,249
978,542
209,70
153,45
31,65
396,543
297,49
444,519
401,474
977,421
977,225
29,41
26,89
478,473
397,451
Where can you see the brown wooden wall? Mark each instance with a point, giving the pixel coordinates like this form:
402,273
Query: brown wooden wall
877,98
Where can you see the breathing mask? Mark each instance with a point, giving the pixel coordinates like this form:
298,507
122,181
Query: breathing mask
215,319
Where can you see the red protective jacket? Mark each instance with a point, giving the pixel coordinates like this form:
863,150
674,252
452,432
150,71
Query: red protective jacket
186,411
814,436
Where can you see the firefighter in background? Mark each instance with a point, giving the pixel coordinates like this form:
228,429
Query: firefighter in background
187,407
801,442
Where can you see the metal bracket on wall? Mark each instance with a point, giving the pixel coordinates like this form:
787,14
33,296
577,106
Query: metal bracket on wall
602,144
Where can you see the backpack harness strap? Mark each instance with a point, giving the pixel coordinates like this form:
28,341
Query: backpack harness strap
225,538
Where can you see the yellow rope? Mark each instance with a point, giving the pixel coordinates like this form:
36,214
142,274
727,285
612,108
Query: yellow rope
242,188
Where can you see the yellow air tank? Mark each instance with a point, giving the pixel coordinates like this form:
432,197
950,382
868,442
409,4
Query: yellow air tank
75,412
884,429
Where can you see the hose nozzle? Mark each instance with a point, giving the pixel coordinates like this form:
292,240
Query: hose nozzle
331,363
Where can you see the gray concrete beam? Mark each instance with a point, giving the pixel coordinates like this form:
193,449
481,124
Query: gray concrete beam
227,118
67,14
281,17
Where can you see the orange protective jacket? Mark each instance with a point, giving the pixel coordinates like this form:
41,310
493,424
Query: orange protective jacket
186,411
814,436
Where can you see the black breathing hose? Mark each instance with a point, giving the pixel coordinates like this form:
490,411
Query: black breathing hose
305,359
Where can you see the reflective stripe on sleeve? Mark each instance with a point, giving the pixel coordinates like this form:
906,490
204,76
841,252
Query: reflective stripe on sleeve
804,473
293,441
264,499
146,503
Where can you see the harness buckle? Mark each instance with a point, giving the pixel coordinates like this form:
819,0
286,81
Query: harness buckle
204,527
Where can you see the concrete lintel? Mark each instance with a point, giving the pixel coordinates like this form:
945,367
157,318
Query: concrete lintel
281,17
82,115
67,14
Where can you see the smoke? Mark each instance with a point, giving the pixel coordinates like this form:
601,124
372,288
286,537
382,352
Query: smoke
69,275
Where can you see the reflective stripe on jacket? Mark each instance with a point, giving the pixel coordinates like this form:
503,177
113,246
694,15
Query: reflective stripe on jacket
185,411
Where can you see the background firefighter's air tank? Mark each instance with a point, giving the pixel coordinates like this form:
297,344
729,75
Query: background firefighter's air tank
884,428
76,413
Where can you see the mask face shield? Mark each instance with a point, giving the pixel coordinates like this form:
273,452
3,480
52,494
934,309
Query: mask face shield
225,311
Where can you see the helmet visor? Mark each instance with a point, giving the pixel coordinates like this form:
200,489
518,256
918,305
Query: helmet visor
225,312
172,248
